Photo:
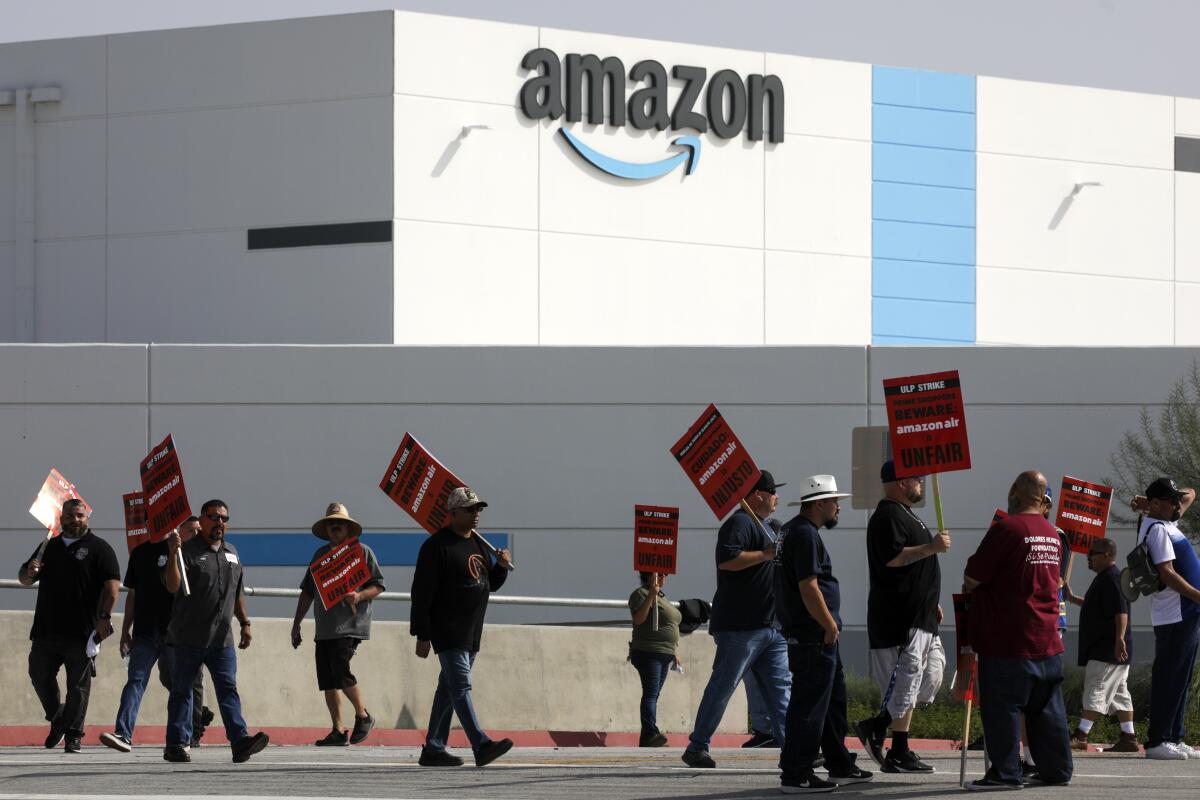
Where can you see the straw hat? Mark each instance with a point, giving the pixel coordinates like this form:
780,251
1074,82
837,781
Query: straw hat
335,511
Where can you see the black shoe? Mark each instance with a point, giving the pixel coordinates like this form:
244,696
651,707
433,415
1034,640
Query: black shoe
810,785
490,751
1028,771
57,731
698,759
73,744
908,761
986,784
852,775
247,746
760,739
362,727
176,754
438,758
206,718
653,740
872,732
334,738
116,741
977,744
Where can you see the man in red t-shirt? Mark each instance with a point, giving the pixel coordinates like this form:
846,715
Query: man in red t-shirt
1013,580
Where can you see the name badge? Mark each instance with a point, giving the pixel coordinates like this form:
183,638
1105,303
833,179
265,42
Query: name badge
230,557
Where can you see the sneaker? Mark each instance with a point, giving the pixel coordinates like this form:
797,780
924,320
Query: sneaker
57,731
362,728
438,758
760,739
1028,770
176,754
116,741
908,761
852,775
73,745
206,718
334,738
655,740
1079,740
1166,751
247,746
987,784
978,744
1188,751
1126,744
872,734
490,751
698,759
810,785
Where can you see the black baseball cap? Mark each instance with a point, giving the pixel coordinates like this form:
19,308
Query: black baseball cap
887,473
1163,489
767,484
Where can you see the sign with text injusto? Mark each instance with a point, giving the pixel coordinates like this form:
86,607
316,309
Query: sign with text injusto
716,462
1083,512
655,539
927,423
162,484
340,571
420,484
136,531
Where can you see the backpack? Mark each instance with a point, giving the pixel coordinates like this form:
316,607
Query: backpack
1140,578
695,613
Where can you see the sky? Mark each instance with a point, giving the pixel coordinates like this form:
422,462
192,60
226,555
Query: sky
1136,45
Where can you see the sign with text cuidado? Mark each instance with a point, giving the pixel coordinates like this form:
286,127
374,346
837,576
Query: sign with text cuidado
165,495
719,467
47,508
339,572
655,539
136,531
1083,512
420,484
927,423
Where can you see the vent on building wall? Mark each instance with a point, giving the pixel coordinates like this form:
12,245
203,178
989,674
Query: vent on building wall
319,235
1187,154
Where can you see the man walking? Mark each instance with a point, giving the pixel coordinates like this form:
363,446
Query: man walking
453,579
78,580
202,629
1013,580
340,629
743,624
809,603
903,614
1105,649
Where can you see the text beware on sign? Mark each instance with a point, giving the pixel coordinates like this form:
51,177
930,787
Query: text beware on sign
927,423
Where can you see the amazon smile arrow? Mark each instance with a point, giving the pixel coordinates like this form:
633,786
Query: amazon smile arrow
634,171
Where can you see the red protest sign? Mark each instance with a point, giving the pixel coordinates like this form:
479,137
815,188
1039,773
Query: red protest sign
719,467
927,423
1083,512
999,515
966,682
339,572
420,484
165,495
47,508
655,539
135,519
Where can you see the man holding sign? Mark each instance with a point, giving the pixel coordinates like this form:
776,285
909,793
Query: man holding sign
343,616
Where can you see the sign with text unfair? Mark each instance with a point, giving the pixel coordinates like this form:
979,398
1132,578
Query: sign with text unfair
1083,512
719,467
162,485
655,539
420,484
136,531
927,423
339,572
47,508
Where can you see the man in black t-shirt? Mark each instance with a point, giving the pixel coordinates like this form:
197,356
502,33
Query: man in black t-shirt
78,580
1105,649
903,614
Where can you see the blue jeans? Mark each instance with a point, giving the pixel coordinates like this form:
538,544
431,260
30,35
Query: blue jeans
1010,687
756,705
652,669
222,666
816,715
144,651
760,655
1171,678
454,695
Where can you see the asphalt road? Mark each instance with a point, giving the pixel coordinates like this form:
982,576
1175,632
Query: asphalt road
381,773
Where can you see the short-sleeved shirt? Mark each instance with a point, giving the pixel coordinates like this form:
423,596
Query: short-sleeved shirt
1097,628
72,577
340,621
205,617
745,598
801,555
664,640
900,598
1014,610
151,600
1167,543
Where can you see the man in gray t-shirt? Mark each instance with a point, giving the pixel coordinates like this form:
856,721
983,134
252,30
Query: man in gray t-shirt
340,627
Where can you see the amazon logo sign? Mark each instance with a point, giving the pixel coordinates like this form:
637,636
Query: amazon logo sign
588,88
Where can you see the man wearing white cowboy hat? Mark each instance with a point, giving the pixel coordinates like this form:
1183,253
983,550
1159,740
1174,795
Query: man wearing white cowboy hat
340,629
808,600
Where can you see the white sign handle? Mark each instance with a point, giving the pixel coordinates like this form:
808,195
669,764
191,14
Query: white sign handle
510,566
187,590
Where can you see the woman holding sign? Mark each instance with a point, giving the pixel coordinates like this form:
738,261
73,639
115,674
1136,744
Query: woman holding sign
652,650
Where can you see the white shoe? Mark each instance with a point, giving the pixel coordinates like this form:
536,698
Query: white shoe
1166,751
1188,751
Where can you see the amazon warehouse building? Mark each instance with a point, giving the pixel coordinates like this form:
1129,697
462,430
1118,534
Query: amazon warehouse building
544,253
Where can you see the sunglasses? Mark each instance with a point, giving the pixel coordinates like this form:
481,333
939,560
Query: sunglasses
217,517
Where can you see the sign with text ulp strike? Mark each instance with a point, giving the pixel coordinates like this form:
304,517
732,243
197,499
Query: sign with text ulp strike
1083,512
47,508
927,423
165,495
719,467
420,484
136,531
655,539
340,571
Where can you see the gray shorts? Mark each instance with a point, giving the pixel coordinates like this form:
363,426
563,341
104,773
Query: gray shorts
912,673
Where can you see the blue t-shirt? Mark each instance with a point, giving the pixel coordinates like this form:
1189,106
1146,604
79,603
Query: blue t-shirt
745,599
801,554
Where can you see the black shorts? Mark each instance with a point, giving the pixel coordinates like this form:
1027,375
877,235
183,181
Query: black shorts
333,663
